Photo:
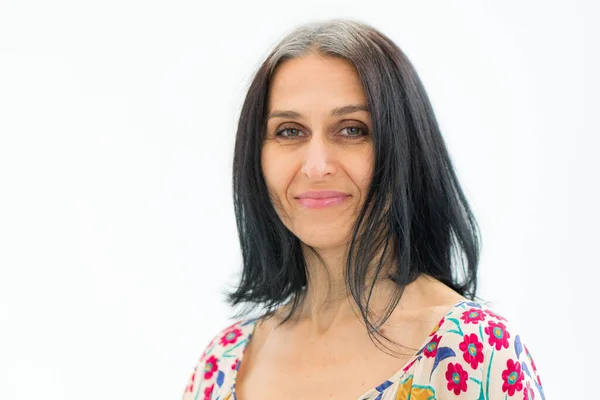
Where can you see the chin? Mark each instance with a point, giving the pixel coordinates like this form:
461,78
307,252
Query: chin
323,238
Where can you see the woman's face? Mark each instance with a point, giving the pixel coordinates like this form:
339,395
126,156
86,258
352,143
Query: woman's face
315,142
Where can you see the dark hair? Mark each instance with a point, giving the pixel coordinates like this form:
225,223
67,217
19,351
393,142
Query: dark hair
415,207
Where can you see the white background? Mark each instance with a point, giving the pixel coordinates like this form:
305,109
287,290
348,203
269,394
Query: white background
117,124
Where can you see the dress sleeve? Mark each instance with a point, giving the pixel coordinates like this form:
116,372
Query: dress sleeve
216,364
480,356
508,370
195,380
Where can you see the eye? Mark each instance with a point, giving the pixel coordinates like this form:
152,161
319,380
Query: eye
353,132
293,132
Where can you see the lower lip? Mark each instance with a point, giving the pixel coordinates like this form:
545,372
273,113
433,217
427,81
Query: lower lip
321,203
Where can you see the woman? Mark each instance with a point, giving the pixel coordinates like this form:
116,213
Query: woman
349,212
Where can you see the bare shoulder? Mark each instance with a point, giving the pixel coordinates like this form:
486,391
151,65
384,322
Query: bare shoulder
427,299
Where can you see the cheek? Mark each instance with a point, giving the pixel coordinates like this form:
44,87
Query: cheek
362,177
360,171
276,172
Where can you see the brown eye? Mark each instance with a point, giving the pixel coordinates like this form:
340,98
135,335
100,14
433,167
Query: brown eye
354,132
292,132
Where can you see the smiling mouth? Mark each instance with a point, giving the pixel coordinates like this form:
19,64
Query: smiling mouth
310,202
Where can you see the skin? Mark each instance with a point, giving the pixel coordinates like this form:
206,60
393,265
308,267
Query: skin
319,151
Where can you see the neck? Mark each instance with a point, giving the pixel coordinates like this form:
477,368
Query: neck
326,300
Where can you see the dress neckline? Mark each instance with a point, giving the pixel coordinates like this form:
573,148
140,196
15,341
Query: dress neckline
387,382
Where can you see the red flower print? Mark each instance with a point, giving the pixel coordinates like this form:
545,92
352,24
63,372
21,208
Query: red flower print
528,392
235,363
211,367
457,378
492,314
208,392
472,350
473,316
498,335
432,346
190,387
513,377
437,326
230,336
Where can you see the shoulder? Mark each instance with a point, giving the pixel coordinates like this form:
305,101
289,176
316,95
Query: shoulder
219,359
476,350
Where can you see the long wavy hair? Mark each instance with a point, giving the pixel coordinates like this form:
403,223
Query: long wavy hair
415,211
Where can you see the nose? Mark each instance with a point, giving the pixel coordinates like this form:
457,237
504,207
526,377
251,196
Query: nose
318,160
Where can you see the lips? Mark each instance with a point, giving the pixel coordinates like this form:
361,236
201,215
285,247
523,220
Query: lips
322,194
321,198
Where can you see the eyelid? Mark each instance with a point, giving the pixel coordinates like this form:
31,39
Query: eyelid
349,124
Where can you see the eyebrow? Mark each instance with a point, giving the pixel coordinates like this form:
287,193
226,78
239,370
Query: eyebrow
336,112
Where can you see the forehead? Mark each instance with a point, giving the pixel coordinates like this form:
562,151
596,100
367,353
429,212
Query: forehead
315,81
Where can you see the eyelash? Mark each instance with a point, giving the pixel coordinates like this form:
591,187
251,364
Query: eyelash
351,137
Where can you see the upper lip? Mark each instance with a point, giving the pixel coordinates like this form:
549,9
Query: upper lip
322,194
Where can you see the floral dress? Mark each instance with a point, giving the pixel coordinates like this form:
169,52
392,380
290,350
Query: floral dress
472,353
